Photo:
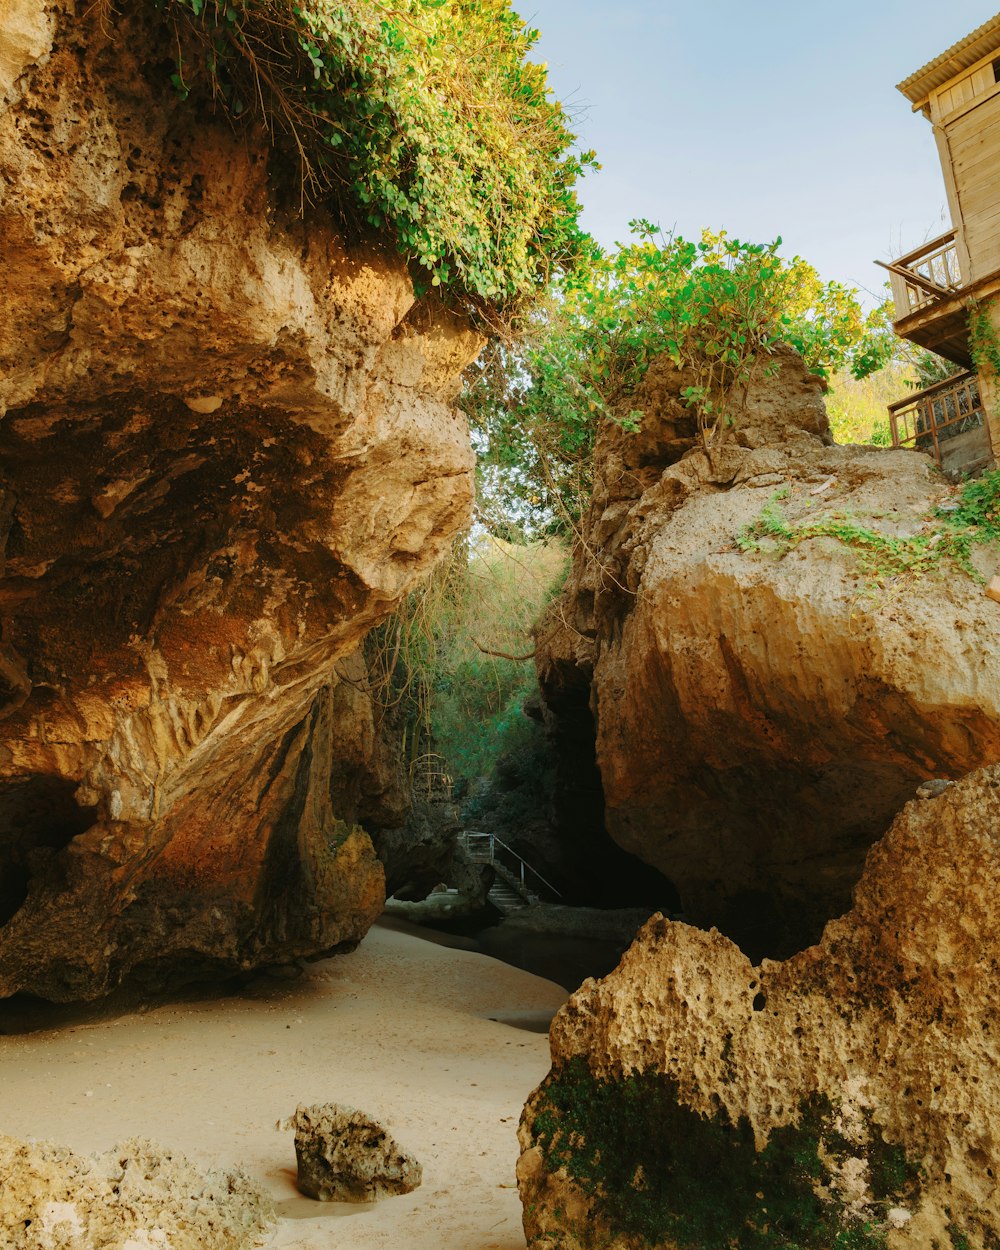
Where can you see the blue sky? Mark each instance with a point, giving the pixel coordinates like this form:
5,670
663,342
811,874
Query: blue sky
765,118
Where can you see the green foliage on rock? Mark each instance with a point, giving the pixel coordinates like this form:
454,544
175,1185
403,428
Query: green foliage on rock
513,791
984,343
977,516
423,118
716,308
948,535
657,1173
454,664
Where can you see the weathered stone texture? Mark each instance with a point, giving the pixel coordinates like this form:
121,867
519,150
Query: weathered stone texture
874,1056
137,1196
229,448
759,720
345,1156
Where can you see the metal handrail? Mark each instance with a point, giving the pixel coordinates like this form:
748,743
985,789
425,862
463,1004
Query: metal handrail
428,778
523,865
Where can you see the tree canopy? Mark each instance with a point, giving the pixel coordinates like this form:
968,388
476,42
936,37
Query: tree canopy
716,308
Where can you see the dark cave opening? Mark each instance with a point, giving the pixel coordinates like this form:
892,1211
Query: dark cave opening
598,871
39,817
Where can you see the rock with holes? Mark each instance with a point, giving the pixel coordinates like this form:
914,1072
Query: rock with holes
760,710
343,1156
228,447
137,1196
849,1096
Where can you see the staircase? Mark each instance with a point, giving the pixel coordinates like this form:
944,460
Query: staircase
510,890
505,898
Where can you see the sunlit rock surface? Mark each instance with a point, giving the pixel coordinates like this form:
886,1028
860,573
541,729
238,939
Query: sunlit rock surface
345,1156
227,448
848,1096
137,1196
761,718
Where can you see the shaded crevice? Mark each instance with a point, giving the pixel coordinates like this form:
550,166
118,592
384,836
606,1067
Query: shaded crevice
597,872
39,817
764,923
780,874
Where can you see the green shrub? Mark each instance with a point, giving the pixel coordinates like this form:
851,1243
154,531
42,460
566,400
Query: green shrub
424,119
857,408
715,308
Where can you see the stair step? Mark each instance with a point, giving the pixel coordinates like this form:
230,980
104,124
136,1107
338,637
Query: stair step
509,890
507,903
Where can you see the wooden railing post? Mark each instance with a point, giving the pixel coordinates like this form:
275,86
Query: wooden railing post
926,274
962,408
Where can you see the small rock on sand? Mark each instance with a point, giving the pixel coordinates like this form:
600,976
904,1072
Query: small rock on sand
343,1156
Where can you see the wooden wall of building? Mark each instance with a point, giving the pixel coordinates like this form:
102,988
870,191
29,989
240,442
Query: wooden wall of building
966,117
964,90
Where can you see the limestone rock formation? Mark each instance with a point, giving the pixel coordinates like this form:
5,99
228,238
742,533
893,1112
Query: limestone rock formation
761,717
425,852
229,447
848,1096
344,1156
137,1196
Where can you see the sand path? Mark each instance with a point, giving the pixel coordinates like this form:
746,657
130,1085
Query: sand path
400,1028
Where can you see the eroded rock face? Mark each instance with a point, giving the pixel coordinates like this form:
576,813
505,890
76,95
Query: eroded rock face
137,1196
229,448
848,1096
759,718
345,1156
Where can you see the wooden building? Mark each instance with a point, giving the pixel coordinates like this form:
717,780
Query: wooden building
935,286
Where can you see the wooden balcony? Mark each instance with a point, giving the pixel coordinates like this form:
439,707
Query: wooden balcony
925,275
947,420
927,290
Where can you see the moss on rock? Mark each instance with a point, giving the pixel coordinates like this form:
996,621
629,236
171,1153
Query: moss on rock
658,1173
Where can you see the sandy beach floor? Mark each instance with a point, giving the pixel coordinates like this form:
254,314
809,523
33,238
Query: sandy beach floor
401,1028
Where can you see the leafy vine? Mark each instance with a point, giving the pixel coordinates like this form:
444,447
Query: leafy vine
984,344
952,533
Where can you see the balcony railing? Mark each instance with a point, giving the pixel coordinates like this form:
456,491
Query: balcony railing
929,419
925,275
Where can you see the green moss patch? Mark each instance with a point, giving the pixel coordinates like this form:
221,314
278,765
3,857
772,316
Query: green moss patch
657,1171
